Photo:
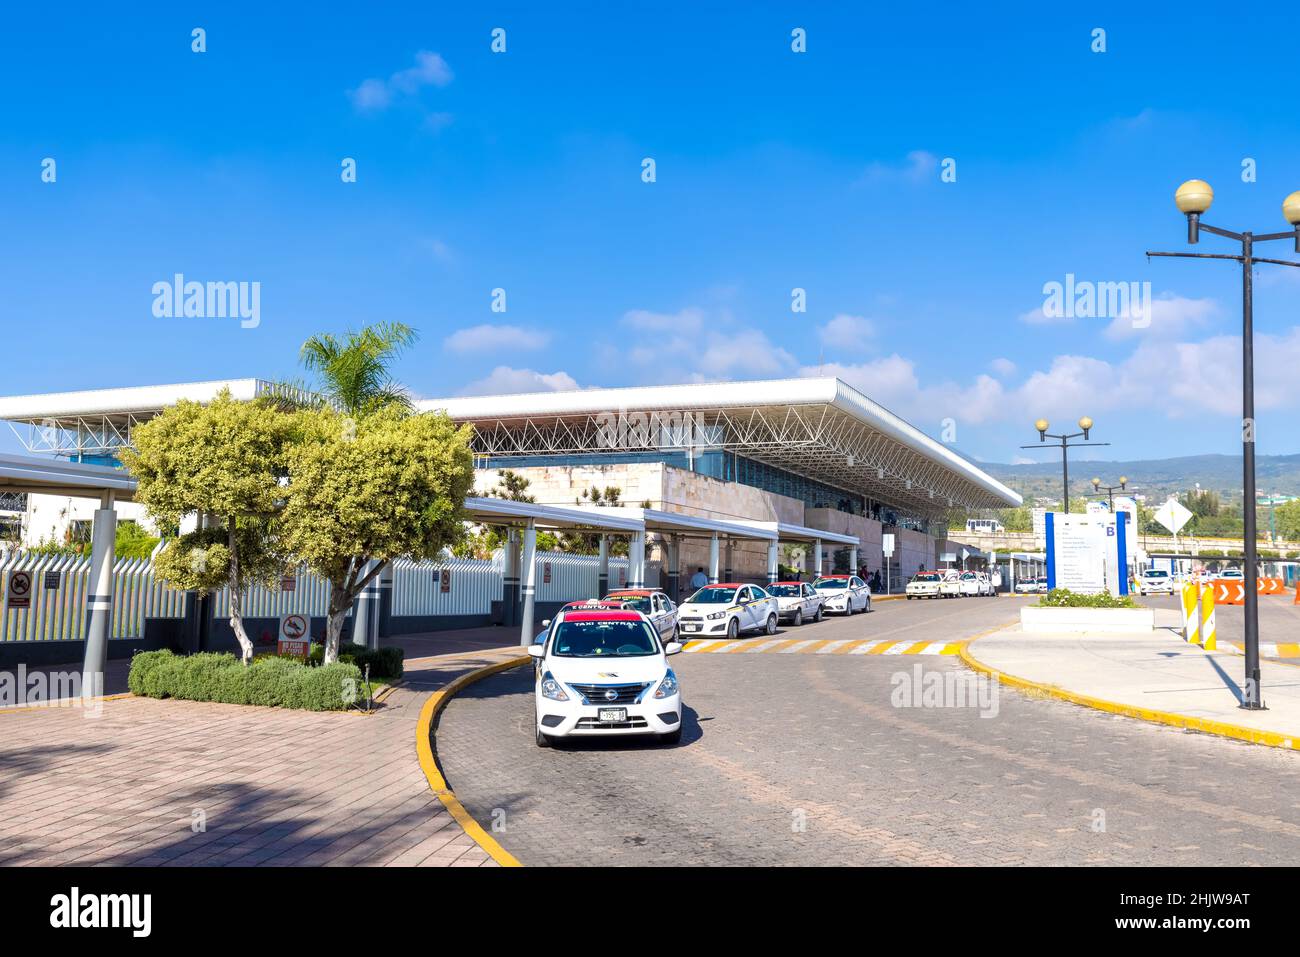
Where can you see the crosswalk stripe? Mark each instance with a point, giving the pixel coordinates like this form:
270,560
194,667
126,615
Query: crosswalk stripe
752,648
841,646
796,647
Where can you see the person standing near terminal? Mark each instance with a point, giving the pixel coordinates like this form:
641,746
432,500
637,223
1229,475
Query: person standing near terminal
699,579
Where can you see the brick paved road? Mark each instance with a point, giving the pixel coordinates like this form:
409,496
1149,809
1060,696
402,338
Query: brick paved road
773,741
272,787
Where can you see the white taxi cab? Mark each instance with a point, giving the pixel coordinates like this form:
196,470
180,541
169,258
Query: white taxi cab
844,594
923,585
605,673
797,602
727,610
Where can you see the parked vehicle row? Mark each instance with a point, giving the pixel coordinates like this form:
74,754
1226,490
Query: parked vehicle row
950,584
602,664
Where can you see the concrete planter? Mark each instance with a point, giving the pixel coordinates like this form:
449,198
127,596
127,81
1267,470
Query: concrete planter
1065,621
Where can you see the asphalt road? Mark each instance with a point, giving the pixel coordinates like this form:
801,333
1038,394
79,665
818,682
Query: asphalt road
815,759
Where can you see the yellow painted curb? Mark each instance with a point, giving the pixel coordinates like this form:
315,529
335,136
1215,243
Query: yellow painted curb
1272,739
424,748
48,705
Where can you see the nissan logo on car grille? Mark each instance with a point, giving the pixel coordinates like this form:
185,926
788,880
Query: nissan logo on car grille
611,695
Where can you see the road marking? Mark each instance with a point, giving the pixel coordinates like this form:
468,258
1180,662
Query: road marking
826,646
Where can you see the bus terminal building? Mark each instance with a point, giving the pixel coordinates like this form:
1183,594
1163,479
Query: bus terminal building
721,466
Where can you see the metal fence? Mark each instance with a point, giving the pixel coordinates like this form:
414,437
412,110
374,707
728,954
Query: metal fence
58,609
452,587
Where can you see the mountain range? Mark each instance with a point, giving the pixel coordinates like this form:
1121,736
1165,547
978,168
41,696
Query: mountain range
1154,478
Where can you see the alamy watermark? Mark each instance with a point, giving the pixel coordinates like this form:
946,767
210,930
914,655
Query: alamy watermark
211,300
54,689
919,688
657,430
1084,299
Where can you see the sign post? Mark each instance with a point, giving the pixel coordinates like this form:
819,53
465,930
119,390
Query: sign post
19,592
1173,515
887,549
295,640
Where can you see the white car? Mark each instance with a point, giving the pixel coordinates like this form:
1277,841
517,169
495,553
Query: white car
1231,573
726,610
1027,586
844,594
1040,584
976,585
950,584
652,603
924,585
605,673
1155,581
797,602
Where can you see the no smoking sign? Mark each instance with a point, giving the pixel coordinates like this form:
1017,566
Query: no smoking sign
19,592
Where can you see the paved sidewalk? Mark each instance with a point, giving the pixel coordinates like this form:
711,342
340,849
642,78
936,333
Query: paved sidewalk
1153,672
180,782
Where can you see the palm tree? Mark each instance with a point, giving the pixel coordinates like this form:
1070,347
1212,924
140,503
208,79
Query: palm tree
354,371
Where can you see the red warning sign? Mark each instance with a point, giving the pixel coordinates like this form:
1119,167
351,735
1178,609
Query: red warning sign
294,637
19,592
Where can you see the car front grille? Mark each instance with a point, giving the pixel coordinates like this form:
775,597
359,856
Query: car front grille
633,722
623,694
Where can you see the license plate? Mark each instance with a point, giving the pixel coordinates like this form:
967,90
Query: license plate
691,627
612,715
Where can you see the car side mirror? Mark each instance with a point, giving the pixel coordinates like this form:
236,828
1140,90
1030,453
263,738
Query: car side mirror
546,623
673,648
537,651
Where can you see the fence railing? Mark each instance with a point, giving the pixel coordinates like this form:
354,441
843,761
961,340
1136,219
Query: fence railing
57,611
452,587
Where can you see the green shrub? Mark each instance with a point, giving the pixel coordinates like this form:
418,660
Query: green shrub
271,681
385,664
1064,598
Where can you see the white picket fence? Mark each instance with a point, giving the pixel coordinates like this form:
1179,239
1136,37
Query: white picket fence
451,587
59,613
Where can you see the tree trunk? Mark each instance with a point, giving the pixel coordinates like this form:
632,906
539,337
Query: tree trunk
333,632
237,600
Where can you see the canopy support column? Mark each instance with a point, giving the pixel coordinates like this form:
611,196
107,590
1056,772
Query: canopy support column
529,583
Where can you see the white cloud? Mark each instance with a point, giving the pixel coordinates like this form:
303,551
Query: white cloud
504,380
918,166
853,333
374,95
698,345
485,337
892,381
1003,367
1169,316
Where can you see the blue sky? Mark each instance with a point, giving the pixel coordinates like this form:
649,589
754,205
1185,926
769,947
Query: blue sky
775,170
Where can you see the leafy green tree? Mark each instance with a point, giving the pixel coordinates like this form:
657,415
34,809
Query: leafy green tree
1287,517
132,541
386,486
354,371
223,461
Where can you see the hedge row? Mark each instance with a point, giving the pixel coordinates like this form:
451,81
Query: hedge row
385,664
271,681
1064,598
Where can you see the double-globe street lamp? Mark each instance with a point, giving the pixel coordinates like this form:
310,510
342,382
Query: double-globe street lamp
1193,198
1110,490
1063,443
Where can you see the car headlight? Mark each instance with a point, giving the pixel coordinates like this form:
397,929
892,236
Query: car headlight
668,687
553,689
715,615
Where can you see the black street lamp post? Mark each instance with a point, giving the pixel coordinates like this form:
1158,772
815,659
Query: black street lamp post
1063,443
1110,490
1193,199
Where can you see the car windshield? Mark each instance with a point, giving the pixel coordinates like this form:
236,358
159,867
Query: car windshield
714,596
927,577
831,583
1157,574
783,591
969,576
1041,581
635,602
604,639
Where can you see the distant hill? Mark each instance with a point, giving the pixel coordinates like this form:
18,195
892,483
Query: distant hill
1155,478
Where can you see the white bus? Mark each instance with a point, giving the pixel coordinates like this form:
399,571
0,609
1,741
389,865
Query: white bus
986,526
